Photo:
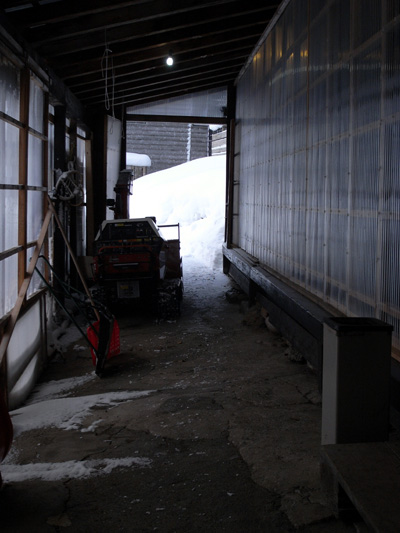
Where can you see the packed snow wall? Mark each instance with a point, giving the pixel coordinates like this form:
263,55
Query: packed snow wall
317,174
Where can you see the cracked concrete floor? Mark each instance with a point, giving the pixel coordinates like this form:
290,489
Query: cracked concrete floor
226,437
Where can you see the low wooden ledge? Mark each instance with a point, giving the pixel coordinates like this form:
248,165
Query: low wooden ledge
367,476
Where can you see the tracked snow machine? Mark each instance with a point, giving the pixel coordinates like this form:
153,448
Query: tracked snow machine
134,262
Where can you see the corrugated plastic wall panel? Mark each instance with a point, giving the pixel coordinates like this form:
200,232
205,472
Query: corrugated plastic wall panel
202,104
317,170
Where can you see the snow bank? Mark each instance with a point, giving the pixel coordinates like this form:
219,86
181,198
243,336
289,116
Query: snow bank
192,194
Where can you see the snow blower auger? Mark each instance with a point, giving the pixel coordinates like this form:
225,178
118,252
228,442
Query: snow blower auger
102,335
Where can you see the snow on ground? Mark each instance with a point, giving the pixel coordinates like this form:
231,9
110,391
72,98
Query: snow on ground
193,195
59,388
67,413
68,469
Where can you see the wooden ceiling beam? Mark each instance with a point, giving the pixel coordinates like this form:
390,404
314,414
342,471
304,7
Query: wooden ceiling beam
224,77
140,80
62,11
118,18
131,117
146,34
140,99
210,40
143,71
156,59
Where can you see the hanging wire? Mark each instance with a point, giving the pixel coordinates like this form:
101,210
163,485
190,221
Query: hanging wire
122,126
104,73
107,68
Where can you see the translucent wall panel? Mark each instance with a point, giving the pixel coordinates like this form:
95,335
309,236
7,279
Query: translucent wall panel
9,145
36,281
35,161
8,219
34,215
392,78
51,155
114,128
36,102
25,355
8,283
9,89
317,165
203,104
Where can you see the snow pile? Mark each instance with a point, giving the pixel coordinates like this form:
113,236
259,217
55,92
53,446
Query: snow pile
193,195
137,160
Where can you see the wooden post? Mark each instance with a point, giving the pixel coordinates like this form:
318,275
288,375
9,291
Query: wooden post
59,162
230,163
54,212
23,173
90,229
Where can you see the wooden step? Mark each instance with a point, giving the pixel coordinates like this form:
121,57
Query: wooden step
366,476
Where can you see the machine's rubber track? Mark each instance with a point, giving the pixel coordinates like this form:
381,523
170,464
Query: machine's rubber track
169,299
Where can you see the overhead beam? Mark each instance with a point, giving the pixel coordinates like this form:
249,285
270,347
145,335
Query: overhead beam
229,69
40,14
130,117
169,93
193,53
139,35
223,78
143,72
86,23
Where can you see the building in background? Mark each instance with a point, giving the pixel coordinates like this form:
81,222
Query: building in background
167,143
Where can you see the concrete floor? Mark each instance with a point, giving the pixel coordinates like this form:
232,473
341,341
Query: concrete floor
224,436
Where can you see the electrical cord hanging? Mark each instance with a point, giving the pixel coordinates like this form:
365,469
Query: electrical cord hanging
107,67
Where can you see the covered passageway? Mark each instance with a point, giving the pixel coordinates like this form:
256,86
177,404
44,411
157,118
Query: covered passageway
308,94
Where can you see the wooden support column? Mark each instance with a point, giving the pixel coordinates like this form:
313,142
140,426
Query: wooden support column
23,173
59,137
46,171
122,165
73,211
90,229
99,166
230,157
60,251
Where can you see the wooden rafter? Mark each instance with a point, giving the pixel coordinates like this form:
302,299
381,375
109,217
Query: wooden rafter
211,40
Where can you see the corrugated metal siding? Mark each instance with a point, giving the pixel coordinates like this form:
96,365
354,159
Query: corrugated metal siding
317,170
218,142
199,141
167,143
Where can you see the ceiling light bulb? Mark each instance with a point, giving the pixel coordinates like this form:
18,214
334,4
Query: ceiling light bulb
170,61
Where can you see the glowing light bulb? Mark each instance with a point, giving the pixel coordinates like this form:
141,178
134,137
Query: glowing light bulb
170,61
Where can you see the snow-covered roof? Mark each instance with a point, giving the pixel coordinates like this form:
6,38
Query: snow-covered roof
137,160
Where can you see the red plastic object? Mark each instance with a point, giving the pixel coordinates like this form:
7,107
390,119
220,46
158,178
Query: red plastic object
94,339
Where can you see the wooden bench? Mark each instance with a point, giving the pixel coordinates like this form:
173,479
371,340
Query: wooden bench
364,477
